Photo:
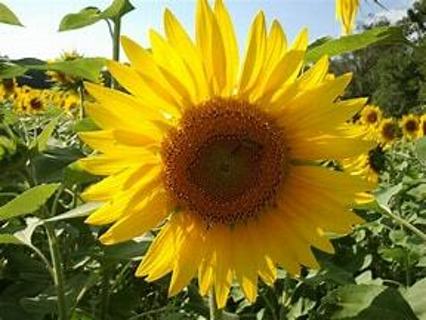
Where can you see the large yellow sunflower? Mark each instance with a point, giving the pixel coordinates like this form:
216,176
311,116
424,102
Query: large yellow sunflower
223,159
346,12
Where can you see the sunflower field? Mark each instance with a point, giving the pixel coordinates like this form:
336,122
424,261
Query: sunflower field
201,177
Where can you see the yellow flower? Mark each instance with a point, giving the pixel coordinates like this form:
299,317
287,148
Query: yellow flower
368,165
371,116
389,131
410,125
7,88
223,160
346,11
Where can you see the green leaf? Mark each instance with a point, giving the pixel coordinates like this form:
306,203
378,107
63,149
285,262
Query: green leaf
91,15
416,297
85,17
117,9
26,234
383,198
85,124
84,68
371,302
28,202
6,238
75,174
43,137
376,36
421,149
9,71
8,17
127,250
81,211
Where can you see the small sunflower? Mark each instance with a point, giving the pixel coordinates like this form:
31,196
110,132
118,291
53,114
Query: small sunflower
388,131
367,165
224,160
7,88
371,116
346,12
410,125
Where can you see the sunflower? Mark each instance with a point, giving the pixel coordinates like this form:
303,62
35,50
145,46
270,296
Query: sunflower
410,125
7,88
224,160
388,131
371,116
346,11
368,165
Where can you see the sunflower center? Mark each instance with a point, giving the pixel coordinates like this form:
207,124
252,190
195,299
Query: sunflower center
389,131
225,161
411,126
35,104
372,117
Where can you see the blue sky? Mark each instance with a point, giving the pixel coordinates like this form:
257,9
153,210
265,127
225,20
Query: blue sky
41,17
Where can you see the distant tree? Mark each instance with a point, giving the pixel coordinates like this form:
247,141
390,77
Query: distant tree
394,77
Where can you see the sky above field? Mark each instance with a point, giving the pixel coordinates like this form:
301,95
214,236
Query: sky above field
41,18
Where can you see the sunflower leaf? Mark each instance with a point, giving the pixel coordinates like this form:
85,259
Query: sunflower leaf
8,17
85,17
375,36
43,137
9,70
81,211
28,202
117,9
6,238
84,68
421,149
371,302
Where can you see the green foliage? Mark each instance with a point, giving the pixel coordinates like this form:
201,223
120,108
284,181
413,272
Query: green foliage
28,202
375,36
7,16
377,272
370,302
91,15
83,68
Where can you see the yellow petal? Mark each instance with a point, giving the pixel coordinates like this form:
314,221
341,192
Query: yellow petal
174,68
160,258
152,211
189,254
151,104
145,65
227,31
179,39
255,53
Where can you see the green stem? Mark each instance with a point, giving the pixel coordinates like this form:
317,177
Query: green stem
116,45
215,313
406,224
58,274
105,287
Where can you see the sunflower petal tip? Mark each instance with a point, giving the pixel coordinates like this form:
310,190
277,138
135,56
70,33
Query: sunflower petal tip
107,239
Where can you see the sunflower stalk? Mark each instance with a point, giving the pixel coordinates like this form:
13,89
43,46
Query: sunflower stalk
116,45
58,274
215,313
57,265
